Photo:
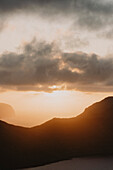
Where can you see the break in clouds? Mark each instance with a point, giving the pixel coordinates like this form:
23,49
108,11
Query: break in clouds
44,67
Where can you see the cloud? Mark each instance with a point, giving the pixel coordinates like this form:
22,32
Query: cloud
87,14
94,15
44,67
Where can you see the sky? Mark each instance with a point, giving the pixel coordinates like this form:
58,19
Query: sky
56,57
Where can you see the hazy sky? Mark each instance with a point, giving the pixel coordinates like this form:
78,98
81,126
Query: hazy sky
56,57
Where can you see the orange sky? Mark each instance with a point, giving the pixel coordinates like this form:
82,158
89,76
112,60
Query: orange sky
32,108
55,59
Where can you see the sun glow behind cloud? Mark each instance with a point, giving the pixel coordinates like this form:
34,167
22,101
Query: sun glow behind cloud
50,47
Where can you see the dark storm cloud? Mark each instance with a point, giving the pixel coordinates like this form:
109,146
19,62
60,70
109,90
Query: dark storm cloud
92,66
95,73
41,66
7,6
89,14
66,5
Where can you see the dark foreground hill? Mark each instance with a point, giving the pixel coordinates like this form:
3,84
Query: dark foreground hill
89,134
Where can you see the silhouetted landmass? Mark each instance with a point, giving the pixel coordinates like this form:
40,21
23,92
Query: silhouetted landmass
89,134
6,111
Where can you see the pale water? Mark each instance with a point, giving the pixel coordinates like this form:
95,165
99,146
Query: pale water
80,164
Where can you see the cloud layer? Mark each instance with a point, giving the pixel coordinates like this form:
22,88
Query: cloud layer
44,67
89,14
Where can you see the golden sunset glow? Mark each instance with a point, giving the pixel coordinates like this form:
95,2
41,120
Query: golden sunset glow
54,60
56,84
34,108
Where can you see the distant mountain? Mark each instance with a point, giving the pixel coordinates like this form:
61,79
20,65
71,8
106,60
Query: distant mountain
89,134
6,111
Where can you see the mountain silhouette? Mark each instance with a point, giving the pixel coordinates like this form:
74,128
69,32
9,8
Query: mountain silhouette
6,111
89,134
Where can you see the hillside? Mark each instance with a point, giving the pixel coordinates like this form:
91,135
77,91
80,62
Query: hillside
89,134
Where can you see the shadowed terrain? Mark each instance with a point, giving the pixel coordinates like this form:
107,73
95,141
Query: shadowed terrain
89,134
